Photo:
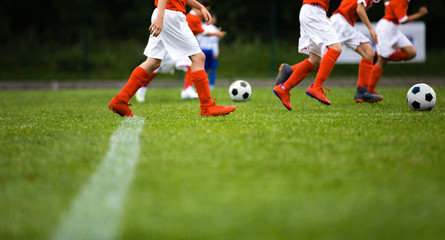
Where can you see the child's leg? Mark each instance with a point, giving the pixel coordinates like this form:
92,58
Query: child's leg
199,77
364,73
365,67
376,74
326,66
404,54
139,76
140,94
212,70
188,78
212,77
300,71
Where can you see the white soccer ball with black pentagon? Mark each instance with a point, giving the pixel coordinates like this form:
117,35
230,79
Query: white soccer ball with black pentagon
240,91
421,97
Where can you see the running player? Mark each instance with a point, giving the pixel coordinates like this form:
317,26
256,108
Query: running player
343,21
170,34
194,19
393,45
316,33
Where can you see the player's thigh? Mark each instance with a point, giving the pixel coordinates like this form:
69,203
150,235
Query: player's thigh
365,50
410,50
151,64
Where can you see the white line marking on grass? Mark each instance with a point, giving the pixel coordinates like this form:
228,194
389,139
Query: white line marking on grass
95,213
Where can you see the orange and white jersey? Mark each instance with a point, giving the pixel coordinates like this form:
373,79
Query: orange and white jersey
348,9
322,3
195,23
396,11
175,5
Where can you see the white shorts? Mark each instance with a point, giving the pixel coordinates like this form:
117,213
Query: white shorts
390,38
176,38
347,34
316,31
169,65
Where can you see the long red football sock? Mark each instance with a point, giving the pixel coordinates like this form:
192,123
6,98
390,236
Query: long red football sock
375,77
364,73
150,77
137,79
398,56
301,70
202,86
326,66
188,78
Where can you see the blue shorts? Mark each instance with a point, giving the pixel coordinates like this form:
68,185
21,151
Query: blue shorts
211,62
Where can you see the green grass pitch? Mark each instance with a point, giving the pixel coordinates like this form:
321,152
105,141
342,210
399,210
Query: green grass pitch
345,171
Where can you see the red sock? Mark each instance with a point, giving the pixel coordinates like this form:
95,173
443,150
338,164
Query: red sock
188,78
364,73
398,56
326,66
137,79
202,86
150,77
301,70
375,77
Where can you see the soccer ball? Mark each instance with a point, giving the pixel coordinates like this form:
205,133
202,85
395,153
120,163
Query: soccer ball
240,91
421,97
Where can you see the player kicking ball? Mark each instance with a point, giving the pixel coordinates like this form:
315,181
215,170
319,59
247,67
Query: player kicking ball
316,33
170,34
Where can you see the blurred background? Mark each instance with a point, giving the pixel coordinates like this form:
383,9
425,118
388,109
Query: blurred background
103,40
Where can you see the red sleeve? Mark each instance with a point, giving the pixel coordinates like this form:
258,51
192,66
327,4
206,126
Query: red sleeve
194,24
401,9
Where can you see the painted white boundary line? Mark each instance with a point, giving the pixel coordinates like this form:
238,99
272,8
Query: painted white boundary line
95,213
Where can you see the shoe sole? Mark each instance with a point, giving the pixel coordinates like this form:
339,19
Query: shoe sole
218,114
282,101
325,103
114,109
370,101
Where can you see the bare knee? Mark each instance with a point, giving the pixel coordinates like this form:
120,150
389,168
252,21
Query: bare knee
410,51
151,64
381,62
366,51
336,46
412,54
198,59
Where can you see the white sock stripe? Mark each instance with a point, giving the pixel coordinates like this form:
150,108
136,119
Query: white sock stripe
95,213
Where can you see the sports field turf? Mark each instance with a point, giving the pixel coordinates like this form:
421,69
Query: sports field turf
345,171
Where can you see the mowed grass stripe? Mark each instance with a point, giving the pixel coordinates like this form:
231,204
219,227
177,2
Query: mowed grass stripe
96,211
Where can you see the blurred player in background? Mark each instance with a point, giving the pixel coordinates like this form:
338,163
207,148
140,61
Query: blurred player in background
316,34
343,21
393,45
210,47
170,34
